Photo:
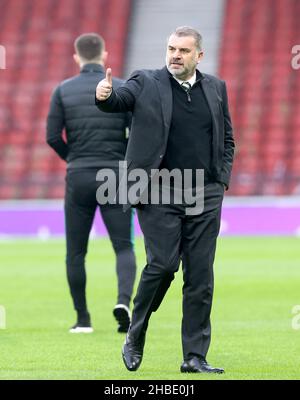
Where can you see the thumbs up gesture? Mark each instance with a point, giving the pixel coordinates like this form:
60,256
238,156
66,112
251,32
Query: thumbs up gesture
104,87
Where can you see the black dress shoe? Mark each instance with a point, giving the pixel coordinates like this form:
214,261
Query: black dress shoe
195,364
132,353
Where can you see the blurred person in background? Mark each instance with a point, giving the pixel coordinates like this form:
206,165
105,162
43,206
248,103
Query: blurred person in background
95,140
188,128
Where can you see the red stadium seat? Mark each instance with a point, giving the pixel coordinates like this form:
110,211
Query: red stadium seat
264,93
40,52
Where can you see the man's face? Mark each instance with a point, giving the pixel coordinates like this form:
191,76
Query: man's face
182,56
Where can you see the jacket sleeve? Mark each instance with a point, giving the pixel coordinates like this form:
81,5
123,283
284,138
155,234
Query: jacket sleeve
228,140
55,125
123,98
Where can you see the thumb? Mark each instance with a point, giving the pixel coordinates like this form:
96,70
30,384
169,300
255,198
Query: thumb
109,76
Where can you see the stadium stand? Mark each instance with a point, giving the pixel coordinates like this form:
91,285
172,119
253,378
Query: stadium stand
255,60
38,37
255,52
147,46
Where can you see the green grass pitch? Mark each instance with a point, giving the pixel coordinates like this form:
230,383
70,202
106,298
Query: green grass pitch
257,284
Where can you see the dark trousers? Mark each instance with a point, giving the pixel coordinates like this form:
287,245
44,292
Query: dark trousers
80,208
172,236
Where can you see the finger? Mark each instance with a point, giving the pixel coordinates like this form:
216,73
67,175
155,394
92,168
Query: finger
105,85
109,76
105,92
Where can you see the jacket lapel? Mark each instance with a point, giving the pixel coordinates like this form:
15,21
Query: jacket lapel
210,94
165,91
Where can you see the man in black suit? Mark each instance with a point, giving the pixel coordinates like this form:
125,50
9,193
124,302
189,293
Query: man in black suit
180,121
95,140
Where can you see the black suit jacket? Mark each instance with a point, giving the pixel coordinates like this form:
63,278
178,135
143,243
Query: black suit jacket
148,94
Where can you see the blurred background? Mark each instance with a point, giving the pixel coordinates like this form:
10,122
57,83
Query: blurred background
248,43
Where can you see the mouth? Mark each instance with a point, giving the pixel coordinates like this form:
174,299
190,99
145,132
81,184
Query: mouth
174,64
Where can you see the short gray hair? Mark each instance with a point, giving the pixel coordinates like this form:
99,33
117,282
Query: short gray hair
188,31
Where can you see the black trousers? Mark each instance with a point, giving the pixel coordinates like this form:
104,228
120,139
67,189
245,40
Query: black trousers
80,208
172,236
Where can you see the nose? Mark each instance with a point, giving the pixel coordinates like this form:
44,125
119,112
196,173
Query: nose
177,54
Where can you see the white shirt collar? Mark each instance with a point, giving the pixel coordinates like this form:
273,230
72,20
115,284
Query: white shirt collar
191,81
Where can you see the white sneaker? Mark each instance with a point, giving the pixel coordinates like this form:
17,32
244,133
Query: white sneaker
122,315
81,329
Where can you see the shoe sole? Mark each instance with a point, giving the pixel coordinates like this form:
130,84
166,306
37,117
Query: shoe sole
123,319
81,330
184,371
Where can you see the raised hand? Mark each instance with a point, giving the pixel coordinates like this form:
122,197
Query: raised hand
104,87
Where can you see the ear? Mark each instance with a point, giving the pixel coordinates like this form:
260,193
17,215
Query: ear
200,56
76,59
